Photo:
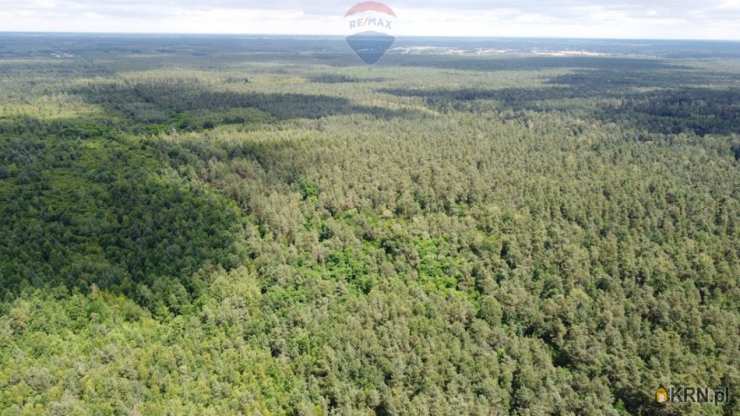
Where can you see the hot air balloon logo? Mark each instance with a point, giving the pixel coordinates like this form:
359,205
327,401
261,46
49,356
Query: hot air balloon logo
371,26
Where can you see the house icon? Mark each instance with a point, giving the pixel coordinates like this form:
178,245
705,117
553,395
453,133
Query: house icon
661,395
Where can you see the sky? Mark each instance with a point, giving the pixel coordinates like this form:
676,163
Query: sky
618,19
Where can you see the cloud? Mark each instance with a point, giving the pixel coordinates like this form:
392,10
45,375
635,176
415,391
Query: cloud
708,19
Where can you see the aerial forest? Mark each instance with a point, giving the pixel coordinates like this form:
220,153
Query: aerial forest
234,232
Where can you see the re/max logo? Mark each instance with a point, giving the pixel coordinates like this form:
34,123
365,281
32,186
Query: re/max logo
692,395
370,21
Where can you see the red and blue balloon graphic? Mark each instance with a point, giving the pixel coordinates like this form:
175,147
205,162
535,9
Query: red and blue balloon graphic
371,25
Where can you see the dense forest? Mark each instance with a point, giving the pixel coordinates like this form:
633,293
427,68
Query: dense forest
234,232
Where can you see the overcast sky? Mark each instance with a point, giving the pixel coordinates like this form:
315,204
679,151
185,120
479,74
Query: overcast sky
667,19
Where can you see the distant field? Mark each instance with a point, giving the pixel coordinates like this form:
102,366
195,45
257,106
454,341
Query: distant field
222,225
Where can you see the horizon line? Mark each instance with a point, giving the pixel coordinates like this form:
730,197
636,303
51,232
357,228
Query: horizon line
342,36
